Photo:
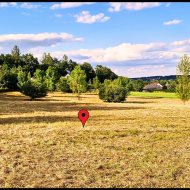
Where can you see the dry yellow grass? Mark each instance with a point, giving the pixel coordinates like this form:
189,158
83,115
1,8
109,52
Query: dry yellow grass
140,143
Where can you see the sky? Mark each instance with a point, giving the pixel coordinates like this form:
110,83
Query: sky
133,39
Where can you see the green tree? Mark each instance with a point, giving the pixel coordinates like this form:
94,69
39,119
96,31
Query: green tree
8,77
16,56
138,85
30,63
63,66
62,85
104,73
39,75
52,77
31,87
183,79
111,91
89,71
71,65
125,82
15,51
77,81
96,83
171,86
47,59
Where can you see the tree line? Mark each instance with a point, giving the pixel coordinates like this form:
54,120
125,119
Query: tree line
35,78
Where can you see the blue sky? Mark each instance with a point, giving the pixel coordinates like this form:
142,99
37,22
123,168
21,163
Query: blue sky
133,39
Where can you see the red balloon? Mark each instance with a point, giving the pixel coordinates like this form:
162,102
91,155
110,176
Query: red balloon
83,116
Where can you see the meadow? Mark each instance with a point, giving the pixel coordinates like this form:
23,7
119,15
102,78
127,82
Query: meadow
143,142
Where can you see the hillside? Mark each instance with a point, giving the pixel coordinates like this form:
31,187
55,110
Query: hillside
169,77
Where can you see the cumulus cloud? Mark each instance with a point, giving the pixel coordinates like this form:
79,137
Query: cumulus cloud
132,54
11,4
66,5
116,7
131,59
172,22
36,40
29,5
85,17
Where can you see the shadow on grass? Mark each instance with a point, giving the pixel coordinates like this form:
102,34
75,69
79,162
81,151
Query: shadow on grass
138,102
52,119
26,98
27,107
22,104
37,119
7,97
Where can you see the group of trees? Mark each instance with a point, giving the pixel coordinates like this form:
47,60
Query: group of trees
35,78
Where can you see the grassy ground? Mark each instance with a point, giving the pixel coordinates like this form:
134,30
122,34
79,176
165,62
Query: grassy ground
144,142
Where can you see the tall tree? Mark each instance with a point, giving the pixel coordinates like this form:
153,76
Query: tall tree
30,63
52,77
16,56
77,81
8,77
63,66
47,59
15,51
183,79
71,65
90,73
104,73
96,83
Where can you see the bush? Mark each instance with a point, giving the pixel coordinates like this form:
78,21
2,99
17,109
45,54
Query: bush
34,89
112,93
62,85
31,87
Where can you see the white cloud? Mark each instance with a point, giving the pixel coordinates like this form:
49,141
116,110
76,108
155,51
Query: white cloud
66,5
58,15
145,70
127,59
127,53
85,17
11,4
36,40
115,7
172,22
29,5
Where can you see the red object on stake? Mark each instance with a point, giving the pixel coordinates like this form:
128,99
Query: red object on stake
83,116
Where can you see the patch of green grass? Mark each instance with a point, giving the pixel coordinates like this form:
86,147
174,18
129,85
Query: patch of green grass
157,94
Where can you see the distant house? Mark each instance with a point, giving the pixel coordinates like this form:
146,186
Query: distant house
152,87
67,75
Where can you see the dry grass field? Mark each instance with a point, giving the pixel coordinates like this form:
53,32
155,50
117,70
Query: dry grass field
144,142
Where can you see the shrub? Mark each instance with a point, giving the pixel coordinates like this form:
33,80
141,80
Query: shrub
112,92
31,86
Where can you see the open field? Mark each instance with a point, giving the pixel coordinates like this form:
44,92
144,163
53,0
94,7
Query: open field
144,142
